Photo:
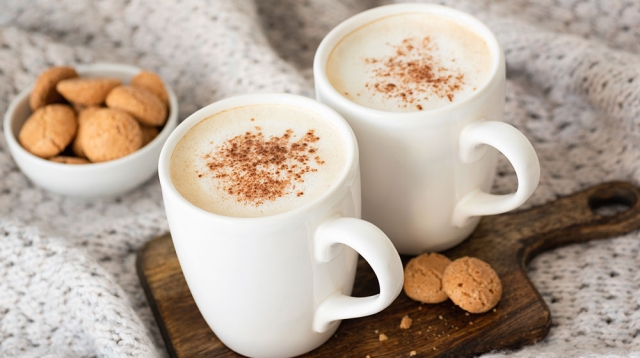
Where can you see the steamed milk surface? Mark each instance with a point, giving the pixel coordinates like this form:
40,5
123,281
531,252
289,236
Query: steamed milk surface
409,62
258,160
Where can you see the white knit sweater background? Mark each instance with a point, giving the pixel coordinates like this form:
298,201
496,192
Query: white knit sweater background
68,285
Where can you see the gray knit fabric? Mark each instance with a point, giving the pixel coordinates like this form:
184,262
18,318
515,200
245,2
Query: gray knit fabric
68,286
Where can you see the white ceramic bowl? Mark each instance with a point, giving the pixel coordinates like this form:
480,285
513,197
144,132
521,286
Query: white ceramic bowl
88,180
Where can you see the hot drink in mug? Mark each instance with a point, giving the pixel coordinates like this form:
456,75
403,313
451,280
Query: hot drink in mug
423,88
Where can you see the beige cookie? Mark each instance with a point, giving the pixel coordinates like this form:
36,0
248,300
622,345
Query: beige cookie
423,278
110,134
90,91
83,116
44,91
472,284
140,103
69,160
148,134
48,130
152,83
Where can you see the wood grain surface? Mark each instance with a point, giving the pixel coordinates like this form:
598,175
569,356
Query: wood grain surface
507,242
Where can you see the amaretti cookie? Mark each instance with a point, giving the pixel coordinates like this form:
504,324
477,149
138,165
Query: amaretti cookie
69,160
423,278
48,130
83,116
148,133
110,134
90,91
140,103
472,284
152,83
44,91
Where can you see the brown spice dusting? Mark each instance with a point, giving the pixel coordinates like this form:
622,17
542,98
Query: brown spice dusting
413,74
255,169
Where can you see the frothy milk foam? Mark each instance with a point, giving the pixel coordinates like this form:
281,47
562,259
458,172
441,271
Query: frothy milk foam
409,62
258,160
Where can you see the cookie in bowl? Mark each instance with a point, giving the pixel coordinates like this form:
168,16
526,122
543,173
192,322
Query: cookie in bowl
67,165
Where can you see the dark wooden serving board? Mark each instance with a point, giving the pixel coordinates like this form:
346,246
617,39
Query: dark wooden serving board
505,241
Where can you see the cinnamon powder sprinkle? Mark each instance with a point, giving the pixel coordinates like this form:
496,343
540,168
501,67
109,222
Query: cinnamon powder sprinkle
412,74
256,169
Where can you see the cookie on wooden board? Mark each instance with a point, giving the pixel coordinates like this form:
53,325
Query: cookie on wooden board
423,278
472,284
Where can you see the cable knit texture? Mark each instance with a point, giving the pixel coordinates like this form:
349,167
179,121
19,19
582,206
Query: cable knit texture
68,286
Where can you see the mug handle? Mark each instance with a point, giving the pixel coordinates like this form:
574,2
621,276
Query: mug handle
370,242
518,150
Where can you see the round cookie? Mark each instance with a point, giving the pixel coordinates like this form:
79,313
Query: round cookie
48,130
110,134
69,160
423,278
44,91
152,83
83,116
140,103
89,91
148,134
472,284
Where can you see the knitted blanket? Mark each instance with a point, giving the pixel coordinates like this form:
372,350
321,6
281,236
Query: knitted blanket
68,284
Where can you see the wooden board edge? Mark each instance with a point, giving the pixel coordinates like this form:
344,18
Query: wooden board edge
148,291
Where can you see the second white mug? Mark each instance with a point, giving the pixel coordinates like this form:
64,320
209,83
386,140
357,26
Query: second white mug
426,173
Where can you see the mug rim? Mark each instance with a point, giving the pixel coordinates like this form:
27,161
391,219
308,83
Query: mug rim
229,103
348,26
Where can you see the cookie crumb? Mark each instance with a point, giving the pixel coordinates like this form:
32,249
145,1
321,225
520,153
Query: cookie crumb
440,317
471,322
383,337
376,331
406,322
412,353
368,356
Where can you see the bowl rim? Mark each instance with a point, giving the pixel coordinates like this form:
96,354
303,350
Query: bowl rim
127,70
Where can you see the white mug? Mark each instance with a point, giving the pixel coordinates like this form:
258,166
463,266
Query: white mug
426,175
278,286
